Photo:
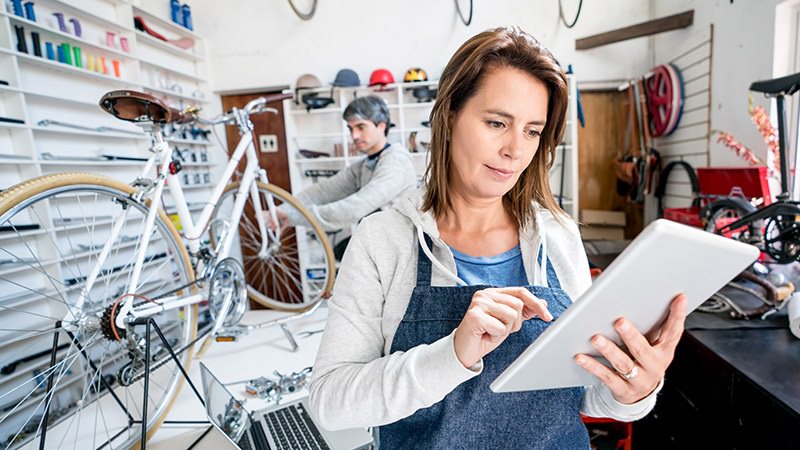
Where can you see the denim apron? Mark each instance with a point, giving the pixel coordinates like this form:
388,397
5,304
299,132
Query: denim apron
472,416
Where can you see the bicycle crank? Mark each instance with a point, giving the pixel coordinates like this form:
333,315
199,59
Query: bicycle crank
227,294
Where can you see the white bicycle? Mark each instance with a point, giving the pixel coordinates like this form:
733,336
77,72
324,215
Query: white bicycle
86,261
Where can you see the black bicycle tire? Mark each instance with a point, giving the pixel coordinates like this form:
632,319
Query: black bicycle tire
302,15
468,20
561,14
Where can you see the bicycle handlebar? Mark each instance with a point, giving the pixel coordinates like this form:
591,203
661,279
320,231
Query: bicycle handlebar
255,106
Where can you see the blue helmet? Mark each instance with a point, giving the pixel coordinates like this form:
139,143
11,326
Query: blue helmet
346,77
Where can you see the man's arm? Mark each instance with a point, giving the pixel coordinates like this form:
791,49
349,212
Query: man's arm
393,175
325,191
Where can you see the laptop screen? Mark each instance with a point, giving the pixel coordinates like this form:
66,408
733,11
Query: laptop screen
224,411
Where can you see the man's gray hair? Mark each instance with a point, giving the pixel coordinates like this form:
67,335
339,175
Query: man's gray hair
371,107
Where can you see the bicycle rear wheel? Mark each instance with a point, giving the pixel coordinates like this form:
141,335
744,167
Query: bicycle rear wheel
295,271
52,230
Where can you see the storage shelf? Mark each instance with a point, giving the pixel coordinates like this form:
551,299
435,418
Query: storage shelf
198,186
60,99
23,57
415,105
145,38
84,43
319,135
172,94
10,89
177,73
324,159
109,134
90,162
190,142
66,7
303,112
172,27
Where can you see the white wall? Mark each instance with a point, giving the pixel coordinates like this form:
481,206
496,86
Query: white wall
254,43
742,53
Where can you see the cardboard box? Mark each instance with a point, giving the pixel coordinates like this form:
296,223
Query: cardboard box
594,233
606,218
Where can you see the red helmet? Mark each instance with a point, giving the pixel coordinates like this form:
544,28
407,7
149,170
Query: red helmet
380,77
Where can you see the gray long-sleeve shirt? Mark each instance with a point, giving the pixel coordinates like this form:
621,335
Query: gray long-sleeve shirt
358,189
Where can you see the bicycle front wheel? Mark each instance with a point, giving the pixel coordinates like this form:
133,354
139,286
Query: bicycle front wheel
64,367
292,272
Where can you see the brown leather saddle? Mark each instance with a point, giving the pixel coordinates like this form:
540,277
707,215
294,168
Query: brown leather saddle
138,107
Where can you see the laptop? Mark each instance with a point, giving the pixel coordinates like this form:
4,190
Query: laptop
277,427
665,259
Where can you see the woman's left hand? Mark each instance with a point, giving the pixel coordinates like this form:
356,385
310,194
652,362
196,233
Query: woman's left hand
635,376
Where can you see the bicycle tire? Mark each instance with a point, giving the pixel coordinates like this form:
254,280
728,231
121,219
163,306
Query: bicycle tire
257,268
720,212
50,195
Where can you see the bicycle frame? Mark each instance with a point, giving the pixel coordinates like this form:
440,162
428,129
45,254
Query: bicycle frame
162,159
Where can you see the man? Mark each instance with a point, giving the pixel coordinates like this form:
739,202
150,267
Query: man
366,185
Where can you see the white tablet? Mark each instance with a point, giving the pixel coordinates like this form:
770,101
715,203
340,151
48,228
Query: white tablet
666,258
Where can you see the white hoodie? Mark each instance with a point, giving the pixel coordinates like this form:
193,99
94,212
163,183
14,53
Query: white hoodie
357,382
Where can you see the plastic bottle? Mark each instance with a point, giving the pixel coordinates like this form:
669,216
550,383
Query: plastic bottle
175,11
187,17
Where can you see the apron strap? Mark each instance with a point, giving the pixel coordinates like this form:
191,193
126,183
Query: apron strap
424,264
552,278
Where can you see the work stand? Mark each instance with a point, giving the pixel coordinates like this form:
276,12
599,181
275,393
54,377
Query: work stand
150,324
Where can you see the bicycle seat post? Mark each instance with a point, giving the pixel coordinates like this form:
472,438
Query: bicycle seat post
784,195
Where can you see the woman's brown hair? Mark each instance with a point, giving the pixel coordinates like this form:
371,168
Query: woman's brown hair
500,47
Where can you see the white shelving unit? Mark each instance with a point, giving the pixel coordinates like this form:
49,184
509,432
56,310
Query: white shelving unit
35,90
567,157
40,89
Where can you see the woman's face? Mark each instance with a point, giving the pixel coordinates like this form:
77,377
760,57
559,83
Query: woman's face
496,134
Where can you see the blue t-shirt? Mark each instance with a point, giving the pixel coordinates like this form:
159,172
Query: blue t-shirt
505,269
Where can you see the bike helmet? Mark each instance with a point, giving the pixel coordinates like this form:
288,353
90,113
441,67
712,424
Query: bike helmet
305,81
312,101
415,74
423,94
380,77
346,78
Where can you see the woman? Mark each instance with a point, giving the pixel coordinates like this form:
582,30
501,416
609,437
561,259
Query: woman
415,334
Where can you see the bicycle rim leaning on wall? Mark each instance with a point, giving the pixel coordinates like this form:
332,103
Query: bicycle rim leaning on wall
52,230
293,272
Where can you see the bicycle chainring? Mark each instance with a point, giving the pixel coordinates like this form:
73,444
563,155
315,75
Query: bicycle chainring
782,238
227,281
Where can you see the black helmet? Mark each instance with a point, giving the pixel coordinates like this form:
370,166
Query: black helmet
424,94
313,101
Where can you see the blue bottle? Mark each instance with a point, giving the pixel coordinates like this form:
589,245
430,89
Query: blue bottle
29,12
17,6
175,11
187,17
51,51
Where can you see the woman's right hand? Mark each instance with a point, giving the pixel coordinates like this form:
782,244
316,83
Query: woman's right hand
492,315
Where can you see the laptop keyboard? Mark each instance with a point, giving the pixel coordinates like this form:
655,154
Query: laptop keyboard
244,442
292,428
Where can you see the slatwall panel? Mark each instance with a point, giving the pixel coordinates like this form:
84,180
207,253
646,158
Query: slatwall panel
689,142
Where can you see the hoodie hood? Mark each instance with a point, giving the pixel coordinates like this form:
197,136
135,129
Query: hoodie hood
410,206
